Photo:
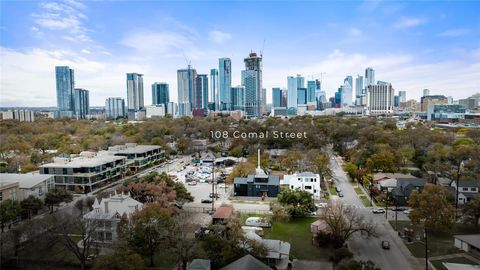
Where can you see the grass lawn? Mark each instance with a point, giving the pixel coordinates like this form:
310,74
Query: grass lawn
297,233
365,201
332,190
439,266
358,190
439,244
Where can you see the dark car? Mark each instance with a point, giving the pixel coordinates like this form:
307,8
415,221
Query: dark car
206,201
340,194
385,244
212,195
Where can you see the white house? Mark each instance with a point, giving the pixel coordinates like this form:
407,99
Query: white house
306,181
467,190
107,213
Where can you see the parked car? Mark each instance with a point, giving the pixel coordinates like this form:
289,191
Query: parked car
385,244
340,194
378,210
407,212
206,201
257,222
214,195
338,189
321,205
192,183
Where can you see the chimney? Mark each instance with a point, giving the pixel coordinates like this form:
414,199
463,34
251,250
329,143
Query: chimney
106,206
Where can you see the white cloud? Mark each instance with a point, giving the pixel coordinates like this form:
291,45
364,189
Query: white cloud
408,22
219,37
454,33
355,32
63,16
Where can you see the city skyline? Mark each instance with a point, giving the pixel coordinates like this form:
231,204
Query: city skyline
411,45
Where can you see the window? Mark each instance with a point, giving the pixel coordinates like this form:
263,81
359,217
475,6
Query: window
40,191
108,224
108,236
308,187
13,194
465,189
473,189
1,196
291,186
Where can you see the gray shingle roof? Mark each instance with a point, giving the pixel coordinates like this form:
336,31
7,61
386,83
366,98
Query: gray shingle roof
247,262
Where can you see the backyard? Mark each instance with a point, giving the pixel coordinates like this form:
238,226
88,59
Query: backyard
297,233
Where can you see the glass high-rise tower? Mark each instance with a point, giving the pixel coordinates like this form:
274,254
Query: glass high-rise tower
65,85
81,101
214,97
135,100
252,81
225,83
369,77
160,93
186,85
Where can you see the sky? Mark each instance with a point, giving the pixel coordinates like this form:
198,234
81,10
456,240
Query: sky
413,44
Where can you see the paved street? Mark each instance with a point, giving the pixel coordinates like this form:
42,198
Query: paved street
398,257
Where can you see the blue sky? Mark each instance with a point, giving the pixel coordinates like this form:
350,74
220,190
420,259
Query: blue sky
413,44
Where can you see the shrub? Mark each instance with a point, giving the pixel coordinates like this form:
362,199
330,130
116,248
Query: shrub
340,254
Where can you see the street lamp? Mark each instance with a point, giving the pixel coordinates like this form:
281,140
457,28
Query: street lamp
426,244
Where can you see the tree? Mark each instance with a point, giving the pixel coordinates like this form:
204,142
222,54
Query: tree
242,169
383,161
84,204
351,170
471,211
181,239
119,260
431,207
160,193
64,224
357,265
9,211
297,202
30,206
320,163
344,221
183,144
290,160
56,196
147,230
236,151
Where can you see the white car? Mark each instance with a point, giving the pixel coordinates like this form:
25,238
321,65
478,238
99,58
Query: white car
257,222
192,183
378,210
407,212
321,205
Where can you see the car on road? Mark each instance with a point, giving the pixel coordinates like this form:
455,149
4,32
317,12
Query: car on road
378,210
407,212
192,183
340,194
337,189
206,201
385,244
212,195
258,222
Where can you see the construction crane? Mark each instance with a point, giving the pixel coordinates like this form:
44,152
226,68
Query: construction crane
186,59
263,46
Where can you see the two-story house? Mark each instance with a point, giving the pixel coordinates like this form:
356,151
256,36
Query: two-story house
467,190
306,181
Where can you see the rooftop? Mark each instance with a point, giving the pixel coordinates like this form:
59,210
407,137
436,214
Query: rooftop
27,180
223,212
471,239
247,262
83,161
132,148
467,183
117,204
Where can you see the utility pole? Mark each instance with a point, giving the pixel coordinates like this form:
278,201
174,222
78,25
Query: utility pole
460,166
386,206
213,186
396,213
426,247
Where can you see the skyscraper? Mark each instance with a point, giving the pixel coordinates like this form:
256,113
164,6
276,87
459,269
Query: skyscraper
225,83
380,99
403,96
134,91
114,108
302,96
200,97
277,97
238,98
346,91
81,101
359,86
65,85
214,95
252,81
292,92
311,91
160,93
186,85
369,77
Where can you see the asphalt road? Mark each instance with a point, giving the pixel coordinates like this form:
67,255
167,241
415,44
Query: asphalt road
398,257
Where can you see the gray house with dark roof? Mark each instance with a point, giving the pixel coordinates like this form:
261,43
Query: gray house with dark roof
468,189
257,185
405,186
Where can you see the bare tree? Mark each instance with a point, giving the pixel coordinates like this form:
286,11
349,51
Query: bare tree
344,221
183,237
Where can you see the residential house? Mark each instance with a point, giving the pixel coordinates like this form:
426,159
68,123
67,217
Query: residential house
467,190
278,252
469,243
36,185
257,185
247,262
222,215
405,186
107,213
306,181
199,264
9,190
